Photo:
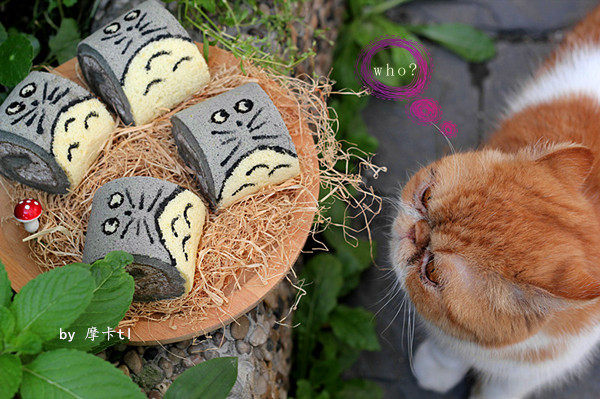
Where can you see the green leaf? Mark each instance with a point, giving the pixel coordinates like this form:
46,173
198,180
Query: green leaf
35,44
209,379
68,373
69,3
11,375
112,297
26,343
323,281
3,34
5,290
64,44
355,327
359,389
471,44
304,390
16,57
53,300
7,324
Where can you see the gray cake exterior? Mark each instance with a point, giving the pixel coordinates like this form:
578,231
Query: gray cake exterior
215,136
28,122
125,216
106,56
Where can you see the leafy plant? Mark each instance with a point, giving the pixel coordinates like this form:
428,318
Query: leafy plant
44,31
77,298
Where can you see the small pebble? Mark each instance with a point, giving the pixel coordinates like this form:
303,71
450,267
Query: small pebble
195,349
133,361
196,359
218,338
260,386
166,366
175,355
154,394
243,347
102,355
125,370
184,344
258,337
239,328
210,354
187,362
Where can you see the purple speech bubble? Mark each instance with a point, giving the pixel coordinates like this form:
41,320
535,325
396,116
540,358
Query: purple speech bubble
417,85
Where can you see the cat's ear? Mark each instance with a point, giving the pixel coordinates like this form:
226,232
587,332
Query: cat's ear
572,163
569,281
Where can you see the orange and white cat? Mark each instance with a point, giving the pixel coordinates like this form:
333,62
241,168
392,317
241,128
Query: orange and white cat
499,248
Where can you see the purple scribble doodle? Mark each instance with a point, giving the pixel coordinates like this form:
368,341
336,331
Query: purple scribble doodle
448,129
422,111
419,81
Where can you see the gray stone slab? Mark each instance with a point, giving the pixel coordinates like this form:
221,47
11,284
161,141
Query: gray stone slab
513,65
529,16
404,145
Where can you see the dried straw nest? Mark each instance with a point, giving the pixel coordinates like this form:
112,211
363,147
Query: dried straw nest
239,241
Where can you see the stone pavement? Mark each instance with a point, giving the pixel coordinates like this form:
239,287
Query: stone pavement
472,97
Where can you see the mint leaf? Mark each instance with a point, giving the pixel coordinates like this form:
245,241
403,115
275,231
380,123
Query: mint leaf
35,44
5,290
68,373
111,299
63,45
53,300
323,281
471,44
10,377
355,327
209,379
7,324
26,343
16,57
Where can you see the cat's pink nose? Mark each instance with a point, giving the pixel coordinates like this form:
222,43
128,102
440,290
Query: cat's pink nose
422,232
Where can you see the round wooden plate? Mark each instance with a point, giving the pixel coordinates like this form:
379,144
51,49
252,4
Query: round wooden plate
14,253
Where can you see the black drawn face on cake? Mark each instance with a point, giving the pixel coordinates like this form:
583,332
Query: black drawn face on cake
157,222
131,27
60,117
245,141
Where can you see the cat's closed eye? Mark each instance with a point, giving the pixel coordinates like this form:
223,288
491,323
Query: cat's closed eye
423,199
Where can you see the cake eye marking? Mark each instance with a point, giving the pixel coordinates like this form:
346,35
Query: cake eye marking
28,90
127,213
131,15
252,169
110,226
219,116
148,231
173,226
283,165
243,186
155,200
228,157
249,125
186,58
115,200
243,106
71,148
155,55
14,108
152,83
92,114
183,242
264,136
126,229
129,199
185,214
68,122
112,28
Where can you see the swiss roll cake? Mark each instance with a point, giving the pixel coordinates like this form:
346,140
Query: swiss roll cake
142,63
157,222
51,131
237,143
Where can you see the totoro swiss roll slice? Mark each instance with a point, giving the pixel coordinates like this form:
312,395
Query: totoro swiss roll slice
142,63
51,131
157,222
237,142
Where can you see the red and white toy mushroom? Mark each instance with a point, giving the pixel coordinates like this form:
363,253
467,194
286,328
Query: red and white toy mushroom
27,212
